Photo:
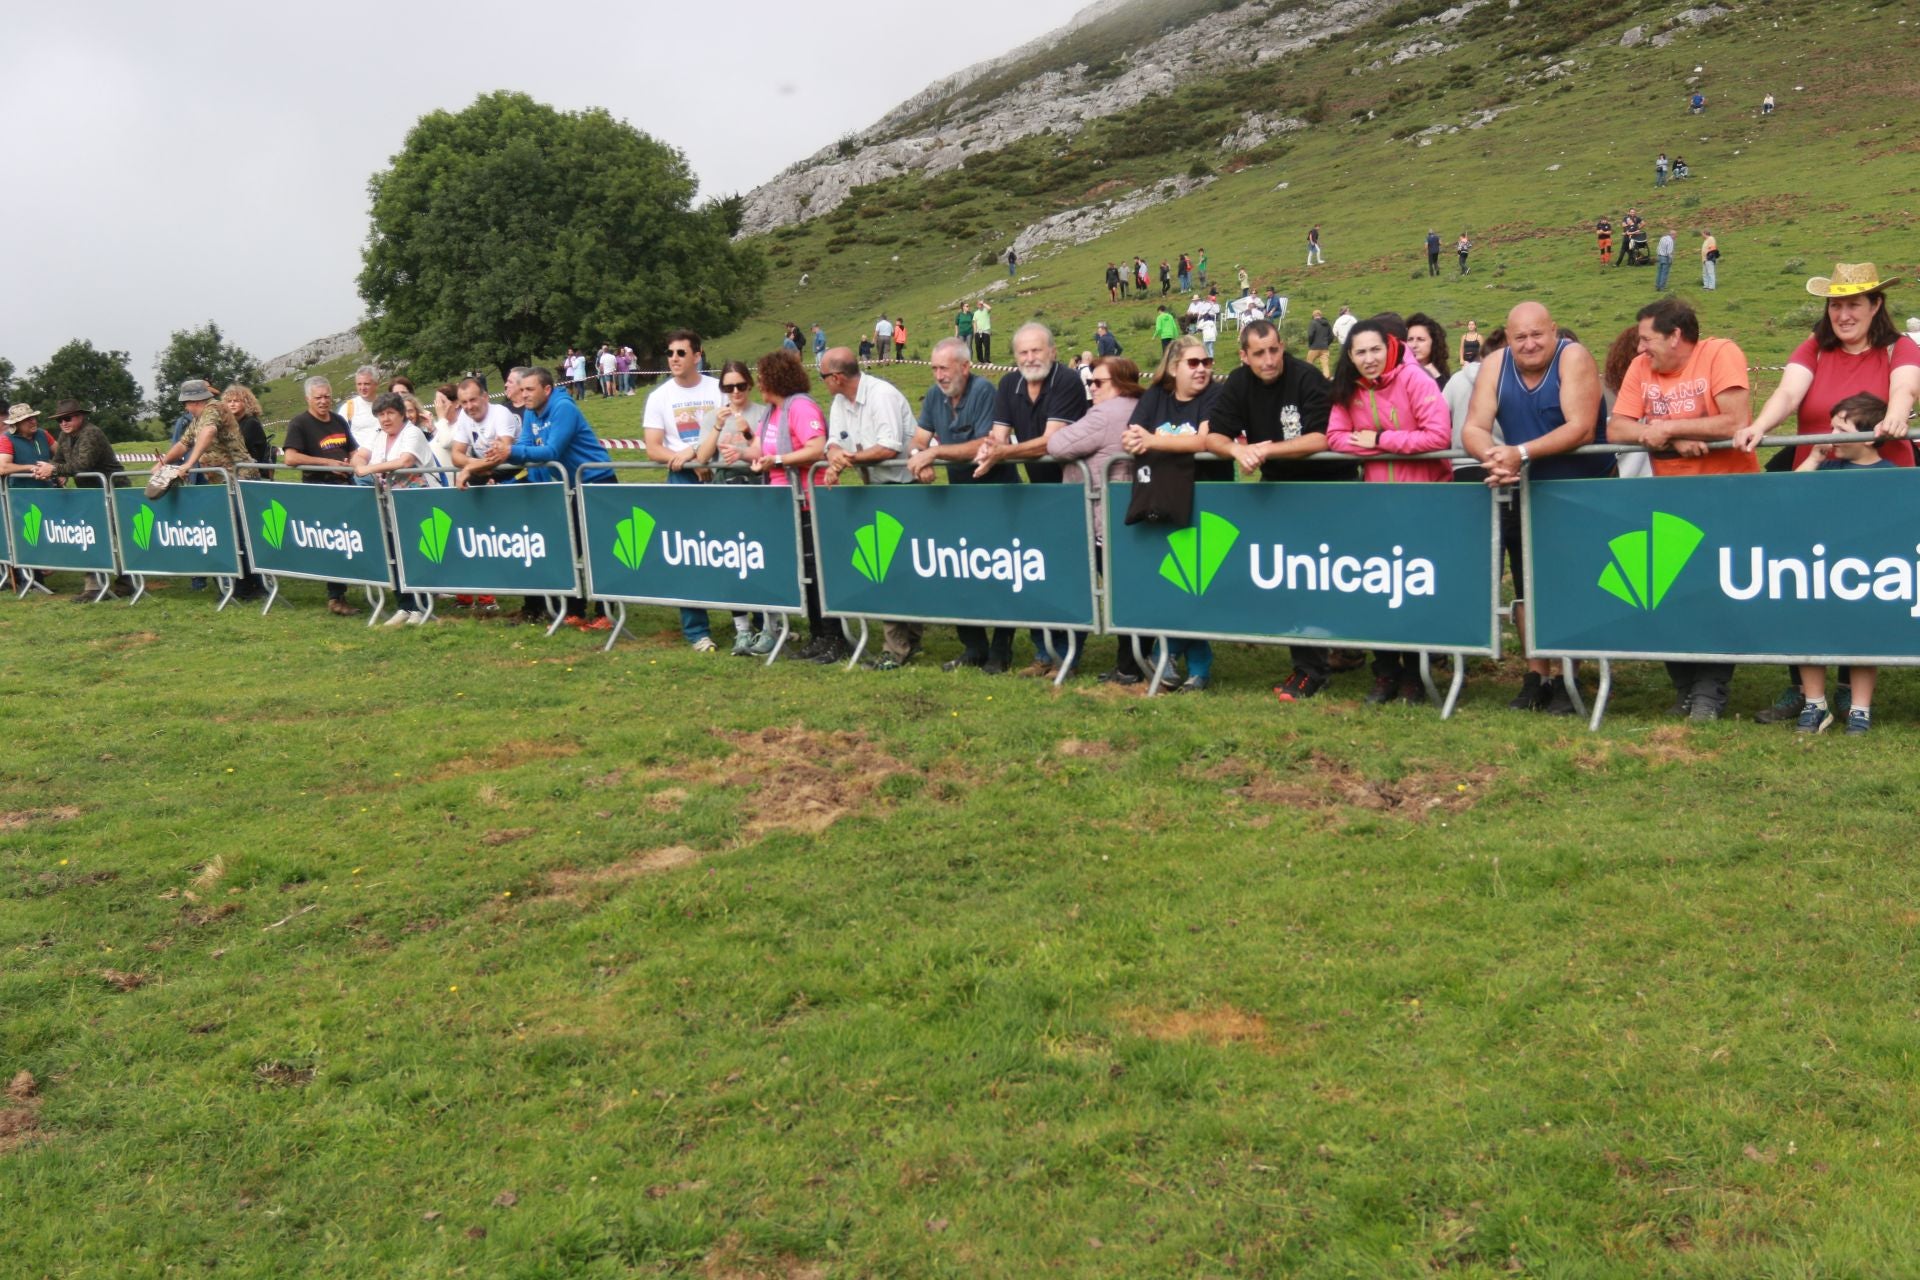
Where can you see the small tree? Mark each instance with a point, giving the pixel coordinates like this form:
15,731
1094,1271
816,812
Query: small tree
198,353
100,380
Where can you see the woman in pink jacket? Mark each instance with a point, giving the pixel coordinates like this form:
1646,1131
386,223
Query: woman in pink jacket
1384,406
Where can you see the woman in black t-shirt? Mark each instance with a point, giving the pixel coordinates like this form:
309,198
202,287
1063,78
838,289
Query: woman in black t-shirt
1171,420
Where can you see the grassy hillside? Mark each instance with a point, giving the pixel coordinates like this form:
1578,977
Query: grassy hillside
1828,177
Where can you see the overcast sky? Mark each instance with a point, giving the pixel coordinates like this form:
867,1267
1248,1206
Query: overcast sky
169,164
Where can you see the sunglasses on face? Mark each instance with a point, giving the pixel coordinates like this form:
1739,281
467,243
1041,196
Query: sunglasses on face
1098,382
675,353
1199,362
735,386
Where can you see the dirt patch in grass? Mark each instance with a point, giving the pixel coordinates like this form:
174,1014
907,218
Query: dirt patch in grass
120,980
507,756
667,799
725,1262
1330,787
577,884
1219,1026
120,644
820,777
1075,747
279,1075
197,917
507,835
19,819
1668,744
19,1114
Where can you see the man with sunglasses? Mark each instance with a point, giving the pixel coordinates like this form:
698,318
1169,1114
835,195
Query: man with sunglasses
678,426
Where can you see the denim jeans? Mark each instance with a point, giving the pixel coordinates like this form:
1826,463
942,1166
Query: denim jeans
1709,274
1665,265
694,623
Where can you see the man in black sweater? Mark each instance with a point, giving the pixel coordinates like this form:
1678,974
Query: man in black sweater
1270,417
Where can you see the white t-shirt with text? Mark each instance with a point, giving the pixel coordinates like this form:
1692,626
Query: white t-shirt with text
680,413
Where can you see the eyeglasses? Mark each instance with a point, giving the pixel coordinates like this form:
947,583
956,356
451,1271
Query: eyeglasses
1199,362
736,386
676,353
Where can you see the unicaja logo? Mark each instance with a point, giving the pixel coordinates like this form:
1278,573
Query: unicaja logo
273,524
434,531
1195,554
631,537
143,528
30,526
1647,561
874,546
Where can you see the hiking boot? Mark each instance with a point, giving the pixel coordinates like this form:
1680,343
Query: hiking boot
742,644
1299,686
1385,689
1119,677
340,608
994,667
1038,670
1557,699
1704,707
1532,695
1786,708
1813,720
1859,721
1682,703
831,652
1193,684
1413,693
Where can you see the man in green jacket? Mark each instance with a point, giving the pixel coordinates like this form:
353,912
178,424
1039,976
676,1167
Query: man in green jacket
1165,328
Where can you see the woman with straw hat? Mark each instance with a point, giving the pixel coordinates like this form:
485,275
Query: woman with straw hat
1854,348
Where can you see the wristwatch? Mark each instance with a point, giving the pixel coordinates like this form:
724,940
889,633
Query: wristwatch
1524,455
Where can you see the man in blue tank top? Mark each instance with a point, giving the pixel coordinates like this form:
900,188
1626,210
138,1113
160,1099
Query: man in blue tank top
1542,392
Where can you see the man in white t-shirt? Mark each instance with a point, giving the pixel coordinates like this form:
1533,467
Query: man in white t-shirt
1343,325
479,423
882,338
678,426
608,363
358,410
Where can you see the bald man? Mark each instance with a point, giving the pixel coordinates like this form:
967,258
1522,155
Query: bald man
1544,391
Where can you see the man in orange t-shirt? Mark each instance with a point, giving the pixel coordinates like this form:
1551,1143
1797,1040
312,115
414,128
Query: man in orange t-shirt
1680,394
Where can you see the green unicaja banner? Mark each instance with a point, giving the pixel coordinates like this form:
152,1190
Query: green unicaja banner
186,531
328,531
1398,566
1766,568
1008,554
717,546
509,539
60,529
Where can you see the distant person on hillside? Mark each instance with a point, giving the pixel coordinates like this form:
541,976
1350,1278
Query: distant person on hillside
1698,103
677,424
1279,405
956,418
1766,105
1319,339
1660,167
1680,169
1433,251
1709,261
963,324
1681,393
1663,261
1470,344
982,331
1603,232
1116,287
1240,273
1012,262
1202,268
1463,246
1541,394
882,338
1166,278
1105,343
1633,231
1140,275
899,339
1314,257
1186,273
1165,328
819,345
609,366
1343,325
866,348
1273,306
1209,333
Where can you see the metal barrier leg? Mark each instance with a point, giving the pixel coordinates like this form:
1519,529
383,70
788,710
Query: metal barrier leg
376,601
226,586
30,581
273,592
1066,662
557,606
786,629
1161,662
1453,690
1426,677
426,613
860,646
1601,694
106,589
139,581
619,625
1573,686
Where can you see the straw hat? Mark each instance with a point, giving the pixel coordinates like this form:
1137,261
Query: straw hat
20,413
1850,279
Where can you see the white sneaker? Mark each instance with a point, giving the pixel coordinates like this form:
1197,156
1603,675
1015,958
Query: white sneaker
401,618
704,645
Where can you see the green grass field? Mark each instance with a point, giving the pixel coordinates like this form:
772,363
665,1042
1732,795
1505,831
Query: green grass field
343,952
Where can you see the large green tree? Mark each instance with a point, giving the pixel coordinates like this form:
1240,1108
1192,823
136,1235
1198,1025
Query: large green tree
510,229
6,377
101,380
198,353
